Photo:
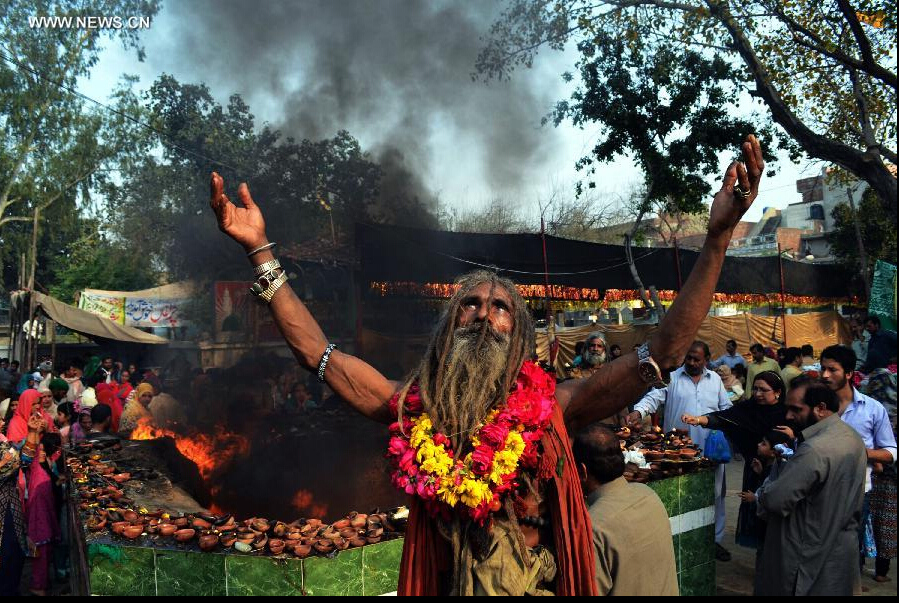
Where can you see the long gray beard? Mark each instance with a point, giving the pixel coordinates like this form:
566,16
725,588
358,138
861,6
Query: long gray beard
472,383
594,359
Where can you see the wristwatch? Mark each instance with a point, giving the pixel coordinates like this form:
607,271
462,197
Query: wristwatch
647,368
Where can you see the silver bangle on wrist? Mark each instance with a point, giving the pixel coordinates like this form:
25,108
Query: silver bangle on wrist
267,267
261,248
324,361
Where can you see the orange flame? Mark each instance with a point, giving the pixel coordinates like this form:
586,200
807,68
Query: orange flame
206,451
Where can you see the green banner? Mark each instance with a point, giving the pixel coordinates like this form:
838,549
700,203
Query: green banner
883,295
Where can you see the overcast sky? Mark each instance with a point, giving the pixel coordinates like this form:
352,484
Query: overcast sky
396,75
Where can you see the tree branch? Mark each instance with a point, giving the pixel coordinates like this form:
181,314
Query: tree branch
864,44
818,45
864,116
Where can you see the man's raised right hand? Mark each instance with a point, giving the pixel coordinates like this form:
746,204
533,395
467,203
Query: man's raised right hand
243,224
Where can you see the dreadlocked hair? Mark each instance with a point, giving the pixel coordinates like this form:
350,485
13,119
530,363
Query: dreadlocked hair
429,375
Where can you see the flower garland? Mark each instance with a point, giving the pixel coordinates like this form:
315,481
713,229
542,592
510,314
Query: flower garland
425,464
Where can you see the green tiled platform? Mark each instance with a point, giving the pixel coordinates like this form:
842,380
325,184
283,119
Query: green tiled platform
688,499
371,570
127,570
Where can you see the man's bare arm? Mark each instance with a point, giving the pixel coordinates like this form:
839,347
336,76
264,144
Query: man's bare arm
366,390
617,384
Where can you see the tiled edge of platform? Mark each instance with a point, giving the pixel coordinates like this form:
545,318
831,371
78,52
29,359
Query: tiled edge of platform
689,500
135,571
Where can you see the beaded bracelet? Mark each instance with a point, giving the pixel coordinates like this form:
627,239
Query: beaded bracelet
324,361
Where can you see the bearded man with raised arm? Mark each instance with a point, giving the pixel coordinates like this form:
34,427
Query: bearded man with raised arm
479,433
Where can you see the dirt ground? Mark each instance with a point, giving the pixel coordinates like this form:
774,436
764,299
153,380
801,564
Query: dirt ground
735,576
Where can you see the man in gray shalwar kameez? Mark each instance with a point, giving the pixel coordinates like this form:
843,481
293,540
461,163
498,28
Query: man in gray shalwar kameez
814,504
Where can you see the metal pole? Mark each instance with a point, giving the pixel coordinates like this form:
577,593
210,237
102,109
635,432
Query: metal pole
31,346
550,322
783,309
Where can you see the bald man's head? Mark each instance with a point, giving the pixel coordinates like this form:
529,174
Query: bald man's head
598,449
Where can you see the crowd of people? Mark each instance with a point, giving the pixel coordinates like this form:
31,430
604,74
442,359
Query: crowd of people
767,407
42,411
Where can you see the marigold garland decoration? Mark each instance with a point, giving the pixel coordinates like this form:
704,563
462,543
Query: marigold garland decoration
425,465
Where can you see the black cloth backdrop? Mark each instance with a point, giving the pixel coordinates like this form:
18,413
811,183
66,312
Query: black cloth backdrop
393,253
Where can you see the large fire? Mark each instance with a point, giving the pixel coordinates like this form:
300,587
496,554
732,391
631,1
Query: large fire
207,451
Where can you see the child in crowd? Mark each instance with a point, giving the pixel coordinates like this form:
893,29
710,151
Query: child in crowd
774,448
64,415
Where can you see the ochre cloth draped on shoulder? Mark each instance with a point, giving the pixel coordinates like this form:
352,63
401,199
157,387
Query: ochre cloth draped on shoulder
427,555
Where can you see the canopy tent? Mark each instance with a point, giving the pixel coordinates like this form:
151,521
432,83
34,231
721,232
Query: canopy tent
85,323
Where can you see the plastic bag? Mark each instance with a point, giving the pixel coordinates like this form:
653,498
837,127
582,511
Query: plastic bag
717,448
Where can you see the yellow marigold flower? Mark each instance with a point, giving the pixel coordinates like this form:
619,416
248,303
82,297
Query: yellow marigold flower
515,443
474,492
447,491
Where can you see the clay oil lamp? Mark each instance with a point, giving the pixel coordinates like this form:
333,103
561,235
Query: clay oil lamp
260,541
167,529
133,531
341,544
280,530
323,546
185,534
246,535
672,455
357,542
181,522
130,515
208,517
259,524
228,539
330,533
358,520
653,455
688,454
302,550
276,546
372,539
349,533
153,526
208,542
293,534
95,524
341,524
224,520
374,532
118,527
198,523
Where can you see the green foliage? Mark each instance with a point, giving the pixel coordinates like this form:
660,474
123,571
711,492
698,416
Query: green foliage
878,234
56,149
668,109
825,70
93,261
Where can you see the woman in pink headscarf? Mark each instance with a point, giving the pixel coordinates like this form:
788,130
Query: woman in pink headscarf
29,402
40,517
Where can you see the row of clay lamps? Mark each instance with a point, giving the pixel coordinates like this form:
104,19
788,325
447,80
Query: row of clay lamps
301,537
